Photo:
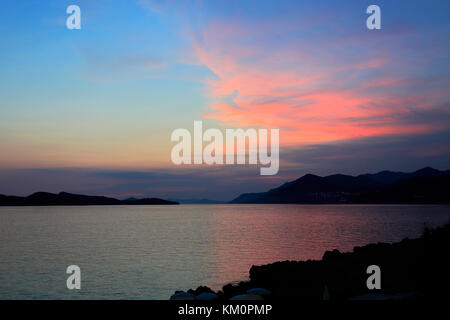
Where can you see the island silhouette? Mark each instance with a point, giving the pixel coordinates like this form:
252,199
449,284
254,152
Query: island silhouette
70,199
426,185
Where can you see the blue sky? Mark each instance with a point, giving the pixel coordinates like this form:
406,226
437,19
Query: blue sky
79,103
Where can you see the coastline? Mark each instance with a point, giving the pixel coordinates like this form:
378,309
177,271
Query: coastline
410,269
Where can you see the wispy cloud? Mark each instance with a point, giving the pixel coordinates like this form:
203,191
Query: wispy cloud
318,74
337,94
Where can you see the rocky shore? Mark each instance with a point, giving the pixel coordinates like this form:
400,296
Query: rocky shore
410,269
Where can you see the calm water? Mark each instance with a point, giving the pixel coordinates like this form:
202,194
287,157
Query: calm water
148,252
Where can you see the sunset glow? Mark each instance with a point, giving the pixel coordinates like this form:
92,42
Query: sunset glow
108,96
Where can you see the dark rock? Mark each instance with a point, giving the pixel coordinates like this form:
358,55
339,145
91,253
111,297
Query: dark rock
418,266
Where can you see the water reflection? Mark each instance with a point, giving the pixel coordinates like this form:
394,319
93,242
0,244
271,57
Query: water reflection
148,252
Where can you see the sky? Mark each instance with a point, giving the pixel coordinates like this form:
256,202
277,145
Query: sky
92,110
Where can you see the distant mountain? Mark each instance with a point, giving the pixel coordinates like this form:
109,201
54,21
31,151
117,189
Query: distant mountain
386,177
197,201
70,199
130,198
426,185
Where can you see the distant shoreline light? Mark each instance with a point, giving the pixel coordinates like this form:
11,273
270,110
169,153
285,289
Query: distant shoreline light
251,142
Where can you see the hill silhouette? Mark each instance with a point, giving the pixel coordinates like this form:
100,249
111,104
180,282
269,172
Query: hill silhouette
70,199
426,185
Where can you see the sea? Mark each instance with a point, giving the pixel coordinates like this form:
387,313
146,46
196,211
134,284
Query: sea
148,252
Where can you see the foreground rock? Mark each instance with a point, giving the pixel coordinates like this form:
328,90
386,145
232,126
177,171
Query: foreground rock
259,291
181,295
247,296
410,269
201,293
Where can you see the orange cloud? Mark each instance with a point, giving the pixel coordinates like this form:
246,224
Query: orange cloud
309,98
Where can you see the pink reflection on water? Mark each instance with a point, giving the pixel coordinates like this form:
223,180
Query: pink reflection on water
246,235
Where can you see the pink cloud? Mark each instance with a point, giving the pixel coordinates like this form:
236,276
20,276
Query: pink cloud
310,98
